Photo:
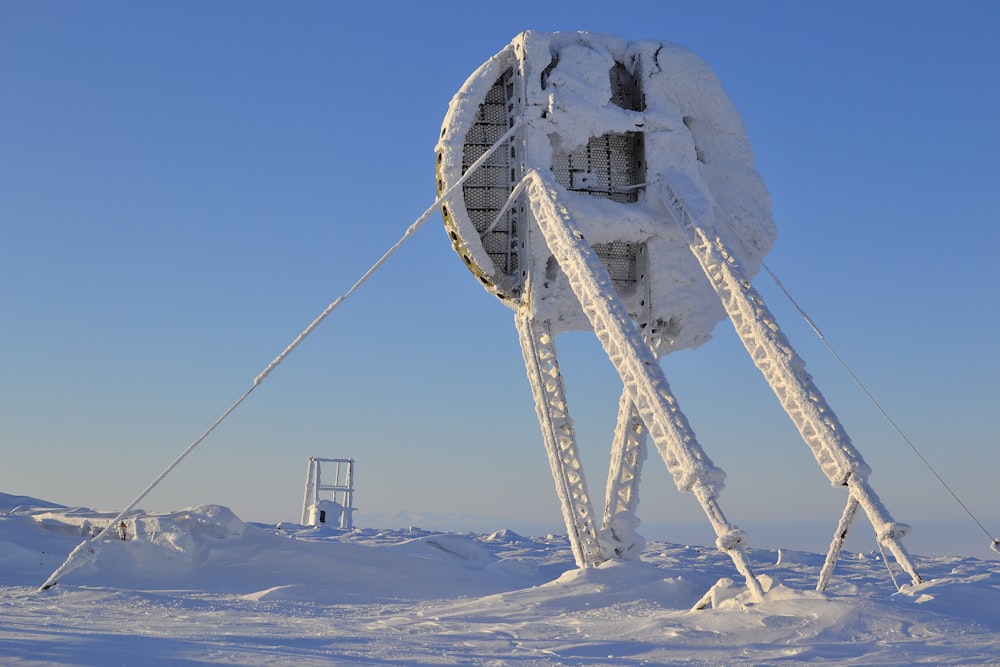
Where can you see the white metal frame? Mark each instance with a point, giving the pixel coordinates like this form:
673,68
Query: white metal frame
342,488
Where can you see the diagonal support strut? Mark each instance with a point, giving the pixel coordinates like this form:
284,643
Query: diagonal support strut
785,372
644,381
539,350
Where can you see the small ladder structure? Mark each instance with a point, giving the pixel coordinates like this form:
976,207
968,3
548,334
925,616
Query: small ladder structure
315,509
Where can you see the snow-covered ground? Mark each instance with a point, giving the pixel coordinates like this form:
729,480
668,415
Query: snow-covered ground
200,587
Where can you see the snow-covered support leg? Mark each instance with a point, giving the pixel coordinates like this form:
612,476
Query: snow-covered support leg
785,372
888,532
538,347
645,383
838,543
628,453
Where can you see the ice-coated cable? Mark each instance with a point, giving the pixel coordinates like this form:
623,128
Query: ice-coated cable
994,542
88,548
888,567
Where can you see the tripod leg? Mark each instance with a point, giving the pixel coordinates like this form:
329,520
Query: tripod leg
889,532
644,381
838,543
628,452
538,347
785,372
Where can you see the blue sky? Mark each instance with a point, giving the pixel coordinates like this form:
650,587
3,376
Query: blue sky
185,186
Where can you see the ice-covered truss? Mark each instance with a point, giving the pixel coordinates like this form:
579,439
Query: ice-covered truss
624,200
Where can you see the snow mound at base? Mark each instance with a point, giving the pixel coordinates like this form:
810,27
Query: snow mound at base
142,544
180,530
179,539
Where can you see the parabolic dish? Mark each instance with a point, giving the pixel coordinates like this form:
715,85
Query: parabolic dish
612,120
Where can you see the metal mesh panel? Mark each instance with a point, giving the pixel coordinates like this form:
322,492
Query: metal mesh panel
610,165
607,167
619,257
625,90
486,191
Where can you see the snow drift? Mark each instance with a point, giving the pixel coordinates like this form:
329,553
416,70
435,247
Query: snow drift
200,586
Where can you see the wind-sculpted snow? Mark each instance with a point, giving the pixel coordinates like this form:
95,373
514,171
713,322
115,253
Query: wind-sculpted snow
206,588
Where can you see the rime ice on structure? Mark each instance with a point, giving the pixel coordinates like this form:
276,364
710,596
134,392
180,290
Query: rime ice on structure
677,119
627,203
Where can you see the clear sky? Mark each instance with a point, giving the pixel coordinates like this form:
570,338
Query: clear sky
184,186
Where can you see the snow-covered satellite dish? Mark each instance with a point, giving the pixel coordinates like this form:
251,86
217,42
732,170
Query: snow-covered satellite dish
618,194
609,120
